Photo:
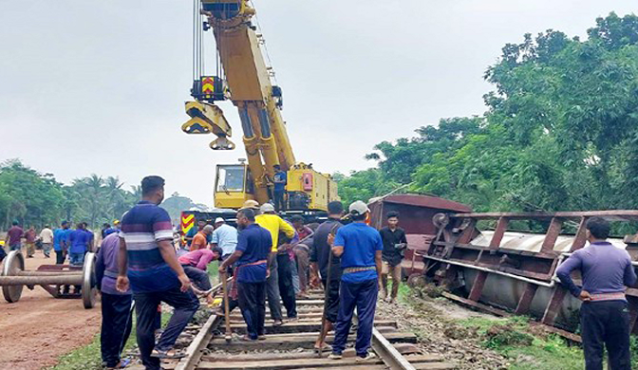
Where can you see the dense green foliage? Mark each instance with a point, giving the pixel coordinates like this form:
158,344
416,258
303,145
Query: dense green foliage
36,199
560,132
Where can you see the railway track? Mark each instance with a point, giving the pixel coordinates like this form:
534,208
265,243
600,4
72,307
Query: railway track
290,346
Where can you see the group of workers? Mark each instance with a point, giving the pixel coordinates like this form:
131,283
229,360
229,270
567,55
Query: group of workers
276,260
269,258
65,241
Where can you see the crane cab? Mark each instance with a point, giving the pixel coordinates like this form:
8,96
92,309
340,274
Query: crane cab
233,186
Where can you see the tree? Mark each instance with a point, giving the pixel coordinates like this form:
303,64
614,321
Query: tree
560,132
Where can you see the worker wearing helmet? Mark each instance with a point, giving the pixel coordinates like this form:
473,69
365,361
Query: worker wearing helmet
275,225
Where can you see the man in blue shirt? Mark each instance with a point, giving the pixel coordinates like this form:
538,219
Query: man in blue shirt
117,320
79,241
360,247
604,315
280,179
253,247
61,242
148,260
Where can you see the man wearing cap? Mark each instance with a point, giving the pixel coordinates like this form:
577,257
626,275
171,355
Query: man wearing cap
360,247
274,224
224,237
200,241
61,242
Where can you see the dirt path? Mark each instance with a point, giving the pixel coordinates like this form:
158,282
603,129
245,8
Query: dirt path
35,331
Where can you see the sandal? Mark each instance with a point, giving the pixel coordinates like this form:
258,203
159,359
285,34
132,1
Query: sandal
325,348
123,363
246,338
170,354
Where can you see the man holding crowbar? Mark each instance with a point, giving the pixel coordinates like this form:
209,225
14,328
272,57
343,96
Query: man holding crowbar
253,247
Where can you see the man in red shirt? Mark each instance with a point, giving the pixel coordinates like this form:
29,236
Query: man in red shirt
195,264
14,237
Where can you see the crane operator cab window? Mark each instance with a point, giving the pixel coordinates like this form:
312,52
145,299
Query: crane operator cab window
231,178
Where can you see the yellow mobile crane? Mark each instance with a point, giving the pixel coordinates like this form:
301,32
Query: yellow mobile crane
243,78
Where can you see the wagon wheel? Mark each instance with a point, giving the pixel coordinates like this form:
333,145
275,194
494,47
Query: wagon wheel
13,264
89,285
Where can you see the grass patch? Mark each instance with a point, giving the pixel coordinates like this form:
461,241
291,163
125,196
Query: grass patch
513,339
89,357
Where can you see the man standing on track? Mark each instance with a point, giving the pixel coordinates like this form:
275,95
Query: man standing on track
61,242
273,223
320,256
148,256
254,246
193,231
46,236
394,243
117,320
224,237
359,247
14,237
604,313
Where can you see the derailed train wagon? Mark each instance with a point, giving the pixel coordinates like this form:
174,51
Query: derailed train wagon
486,265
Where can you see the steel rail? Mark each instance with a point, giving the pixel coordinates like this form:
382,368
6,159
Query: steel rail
388,354
201,340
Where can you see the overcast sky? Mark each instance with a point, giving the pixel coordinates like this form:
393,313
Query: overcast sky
99,86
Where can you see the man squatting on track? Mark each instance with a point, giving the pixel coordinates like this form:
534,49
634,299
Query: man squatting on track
604,316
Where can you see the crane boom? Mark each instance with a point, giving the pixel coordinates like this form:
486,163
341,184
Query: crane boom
246,81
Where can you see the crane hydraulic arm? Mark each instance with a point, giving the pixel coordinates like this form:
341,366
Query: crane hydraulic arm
246,81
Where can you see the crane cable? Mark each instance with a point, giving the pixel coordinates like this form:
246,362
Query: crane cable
198,46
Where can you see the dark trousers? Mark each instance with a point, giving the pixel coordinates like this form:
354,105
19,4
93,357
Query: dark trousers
280,204
272,290
252,303
3,254
185,305
117,322
198,277
332,305
363,296
60,256
605,324
286,288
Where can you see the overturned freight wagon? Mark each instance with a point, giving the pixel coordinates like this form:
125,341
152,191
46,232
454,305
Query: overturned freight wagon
515,271
416,213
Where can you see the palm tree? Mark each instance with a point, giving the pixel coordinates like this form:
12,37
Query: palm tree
91,190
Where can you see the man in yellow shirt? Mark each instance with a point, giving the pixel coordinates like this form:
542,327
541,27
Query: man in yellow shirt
275,225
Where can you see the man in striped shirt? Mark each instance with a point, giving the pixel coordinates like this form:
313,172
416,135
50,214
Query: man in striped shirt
147,260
